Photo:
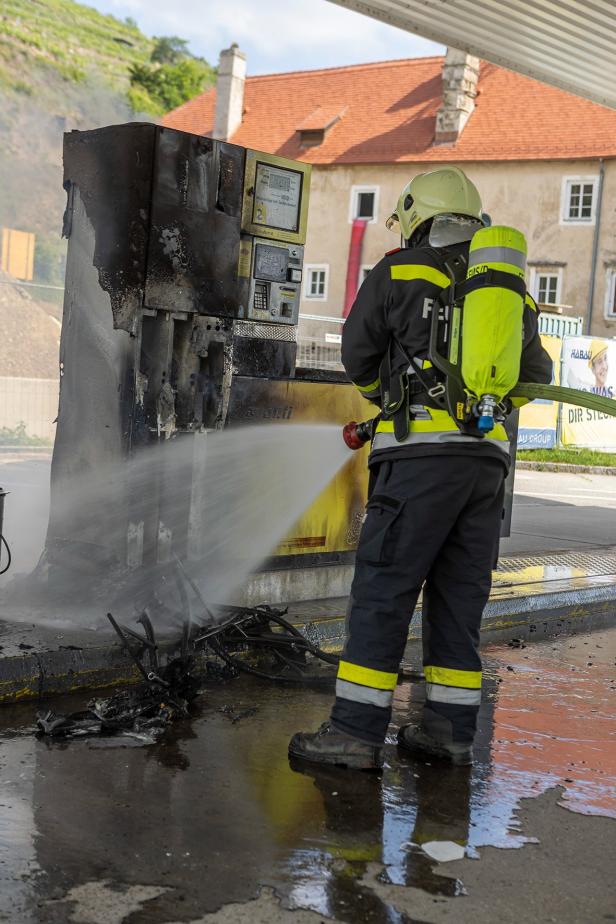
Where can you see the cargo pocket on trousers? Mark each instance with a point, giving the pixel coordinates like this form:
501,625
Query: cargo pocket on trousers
378,537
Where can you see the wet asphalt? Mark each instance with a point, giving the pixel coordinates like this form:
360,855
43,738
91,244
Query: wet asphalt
214,824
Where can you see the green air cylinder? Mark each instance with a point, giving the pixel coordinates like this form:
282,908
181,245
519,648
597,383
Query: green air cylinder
492,319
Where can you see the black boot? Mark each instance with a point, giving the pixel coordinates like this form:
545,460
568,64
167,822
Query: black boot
418,741
330,746
435,738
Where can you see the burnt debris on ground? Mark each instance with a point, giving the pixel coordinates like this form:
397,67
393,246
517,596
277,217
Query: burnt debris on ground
255,640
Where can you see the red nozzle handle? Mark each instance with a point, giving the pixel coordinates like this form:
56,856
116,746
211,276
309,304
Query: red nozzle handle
355,435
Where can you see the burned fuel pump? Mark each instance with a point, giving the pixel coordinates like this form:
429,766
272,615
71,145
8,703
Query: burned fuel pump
184,270
183,283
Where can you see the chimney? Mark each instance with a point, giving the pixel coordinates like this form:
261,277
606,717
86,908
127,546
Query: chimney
460,76
229,92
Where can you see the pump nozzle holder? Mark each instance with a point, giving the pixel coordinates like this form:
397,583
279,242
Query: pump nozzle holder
356,435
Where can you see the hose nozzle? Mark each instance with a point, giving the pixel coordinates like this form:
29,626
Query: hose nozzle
356,435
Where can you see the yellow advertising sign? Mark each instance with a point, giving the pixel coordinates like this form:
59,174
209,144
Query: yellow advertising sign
17,253
589,363
539,419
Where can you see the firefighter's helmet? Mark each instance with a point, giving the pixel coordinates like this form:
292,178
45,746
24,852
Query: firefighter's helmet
445,191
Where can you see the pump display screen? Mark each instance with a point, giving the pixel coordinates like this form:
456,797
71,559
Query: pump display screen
271,263
277,197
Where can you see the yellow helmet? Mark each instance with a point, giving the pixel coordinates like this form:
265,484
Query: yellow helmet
597,347
444,191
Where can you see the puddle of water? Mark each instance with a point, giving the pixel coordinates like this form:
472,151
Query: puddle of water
19,866
176,813
556,724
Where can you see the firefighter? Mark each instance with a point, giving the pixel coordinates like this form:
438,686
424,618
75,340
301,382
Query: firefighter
435,507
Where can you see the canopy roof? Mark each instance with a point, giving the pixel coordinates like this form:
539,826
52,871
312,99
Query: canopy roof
567,43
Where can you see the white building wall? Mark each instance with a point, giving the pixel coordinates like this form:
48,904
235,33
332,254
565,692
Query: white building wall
526,195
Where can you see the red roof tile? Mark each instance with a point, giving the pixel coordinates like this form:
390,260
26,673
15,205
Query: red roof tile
321,118
390,110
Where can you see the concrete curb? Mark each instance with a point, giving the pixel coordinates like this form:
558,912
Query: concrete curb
532,616
566,467
44,673
40,674
14,450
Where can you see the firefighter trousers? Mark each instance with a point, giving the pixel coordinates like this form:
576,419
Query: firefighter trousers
431,522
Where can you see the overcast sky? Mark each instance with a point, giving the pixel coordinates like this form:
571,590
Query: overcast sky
277,35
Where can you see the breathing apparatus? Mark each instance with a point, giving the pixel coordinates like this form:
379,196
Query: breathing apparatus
476,331
475,378
484,316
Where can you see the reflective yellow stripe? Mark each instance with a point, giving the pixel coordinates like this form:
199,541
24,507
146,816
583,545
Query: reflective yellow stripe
366,676
408,272
441,422
365,388
530,302
448,677
419,426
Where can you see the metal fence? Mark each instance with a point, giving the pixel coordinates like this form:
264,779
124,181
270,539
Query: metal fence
313,353
29,405
558,325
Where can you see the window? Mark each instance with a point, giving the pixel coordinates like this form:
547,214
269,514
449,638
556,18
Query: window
363,272
579,200
546,286
610,293
364,203
315,286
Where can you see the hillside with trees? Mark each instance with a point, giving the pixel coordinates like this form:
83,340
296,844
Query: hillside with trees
65,66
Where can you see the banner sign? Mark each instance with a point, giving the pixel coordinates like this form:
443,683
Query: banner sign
539,419
589,363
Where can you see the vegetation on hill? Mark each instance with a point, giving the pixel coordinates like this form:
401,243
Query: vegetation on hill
42,41
59,38
172,76
65,66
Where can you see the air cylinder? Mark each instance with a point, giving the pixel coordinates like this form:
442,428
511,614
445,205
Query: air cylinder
492,319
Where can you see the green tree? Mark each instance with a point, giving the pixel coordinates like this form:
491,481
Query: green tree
169,49
156,89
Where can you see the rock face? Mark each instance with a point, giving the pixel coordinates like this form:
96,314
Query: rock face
30,333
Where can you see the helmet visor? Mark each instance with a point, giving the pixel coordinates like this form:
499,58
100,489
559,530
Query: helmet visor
393,222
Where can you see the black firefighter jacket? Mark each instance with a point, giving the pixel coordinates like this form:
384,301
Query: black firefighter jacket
396,300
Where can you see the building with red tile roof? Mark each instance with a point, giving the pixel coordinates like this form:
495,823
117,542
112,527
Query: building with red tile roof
542,158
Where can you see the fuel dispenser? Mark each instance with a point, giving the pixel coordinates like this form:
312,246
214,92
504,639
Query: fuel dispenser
183,285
